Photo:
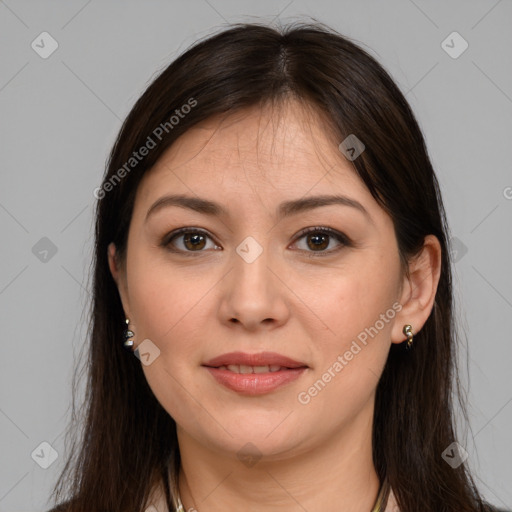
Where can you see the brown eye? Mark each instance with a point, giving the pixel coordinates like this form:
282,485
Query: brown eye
194,241
318,239
187,240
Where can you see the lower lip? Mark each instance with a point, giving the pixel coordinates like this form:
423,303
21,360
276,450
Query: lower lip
255,383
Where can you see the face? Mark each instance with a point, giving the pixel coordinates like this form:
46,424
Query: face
304,296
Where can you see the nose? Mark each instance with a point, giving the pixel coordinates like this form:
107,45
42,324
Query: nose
254,294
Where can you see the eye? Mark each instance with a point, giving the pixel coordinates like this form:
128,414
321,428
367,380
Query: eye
318,239
190,239
195,240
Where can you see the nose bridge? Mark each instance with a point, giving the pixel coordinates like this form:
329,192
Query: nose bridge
250,265
253,293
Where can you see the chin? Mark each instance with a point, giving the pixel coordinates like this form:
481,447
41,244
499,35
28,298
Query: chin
271,437
255,445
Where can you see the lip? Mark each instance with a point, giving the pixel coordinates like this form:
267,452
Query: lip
261,359
254,383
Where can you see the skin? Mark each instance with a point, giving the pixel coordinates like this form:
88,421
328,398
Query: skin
311,309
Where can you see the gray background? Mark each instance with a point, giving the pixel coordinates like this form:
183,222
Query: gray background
59,117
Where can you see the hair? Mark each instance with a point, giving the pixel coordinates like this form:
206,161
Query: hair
127,440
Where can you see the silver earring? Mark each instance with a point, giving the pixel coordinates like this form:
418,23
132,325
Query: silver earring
407,330
128,343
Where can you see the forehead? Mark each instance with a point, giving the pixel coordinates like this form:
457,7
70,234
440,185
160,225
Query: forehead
286,148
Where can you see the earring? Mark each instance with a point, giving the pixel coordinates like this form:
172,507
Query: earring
407,330
128,343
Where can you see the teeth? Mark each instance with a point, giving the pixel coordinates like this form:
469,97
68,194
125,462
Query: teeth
244,369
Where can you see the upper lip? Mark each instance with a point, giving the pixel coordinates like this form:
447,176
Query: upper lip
260,359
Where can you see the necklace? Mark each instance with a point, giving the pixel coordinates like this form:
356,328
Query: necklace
382,499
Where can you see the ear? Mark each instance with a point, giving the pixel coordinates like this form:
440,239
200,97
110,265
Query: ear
419,289
119,276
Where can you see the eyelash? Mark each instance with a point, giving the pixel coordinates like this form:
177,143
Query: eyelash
340,237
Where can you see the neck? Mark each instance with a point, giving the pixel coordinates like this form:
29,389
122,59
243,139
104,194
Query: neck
333,476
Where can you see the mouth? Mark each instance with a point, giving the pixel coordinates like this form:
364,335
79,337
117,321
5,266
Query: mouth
254,374
270,360
244,369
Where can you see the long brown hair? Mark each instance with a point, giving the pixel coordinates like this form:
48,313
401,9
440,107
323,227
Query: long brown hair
127,440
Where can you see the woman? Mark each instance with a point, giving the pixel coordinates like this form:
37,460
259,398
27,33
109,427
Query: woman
271,244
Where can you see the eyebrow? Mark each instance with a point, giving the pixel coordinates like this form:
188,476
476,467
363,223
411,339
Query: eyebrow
285,209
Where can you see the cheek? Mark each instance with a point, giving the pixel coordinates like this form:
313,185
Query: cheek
351,354
170,311
357,305
351,298
169,306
